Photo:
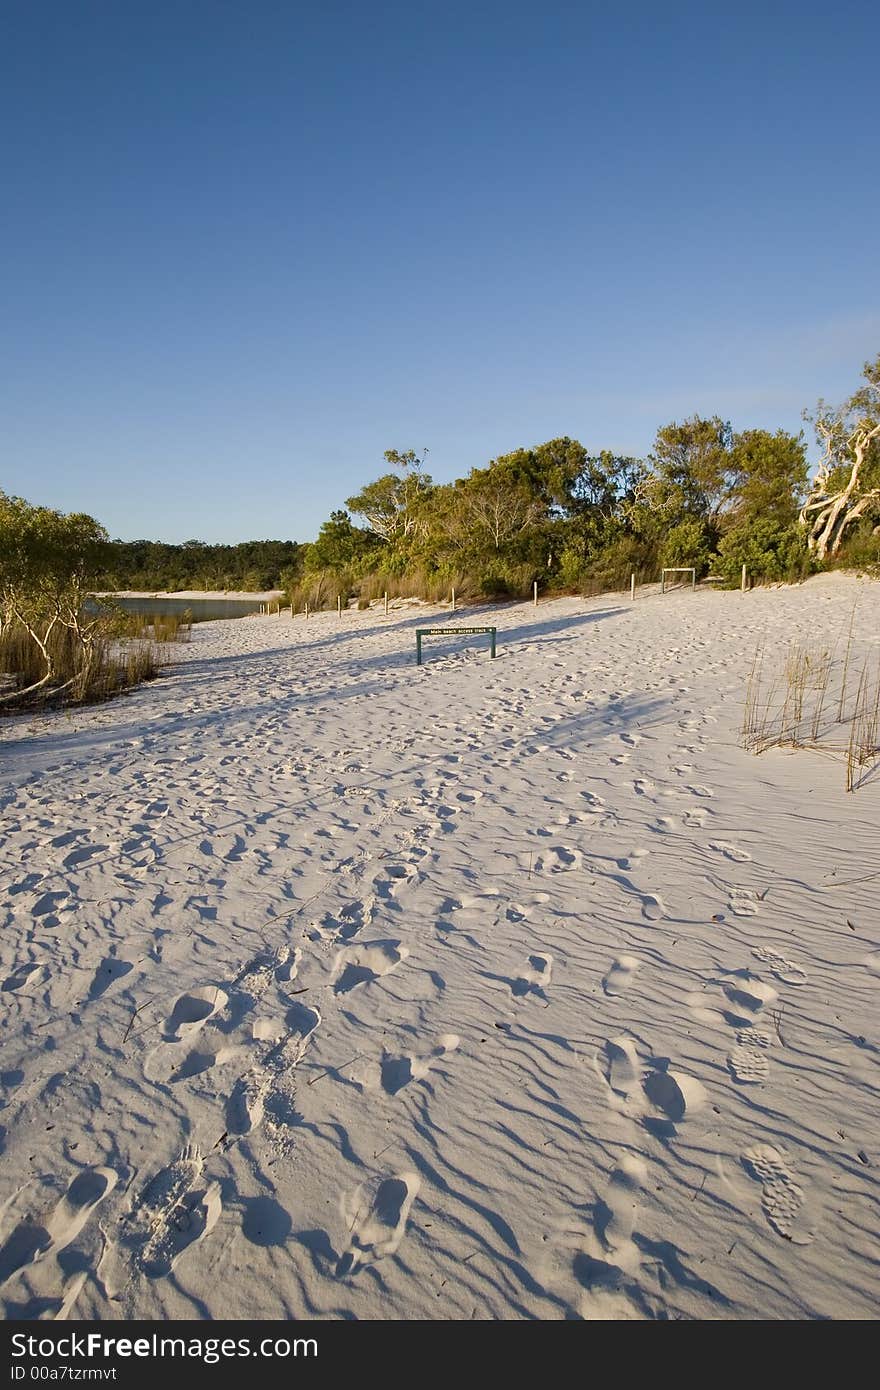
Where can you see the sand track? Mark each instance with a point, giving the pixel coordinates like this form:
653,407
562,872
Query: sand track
335,986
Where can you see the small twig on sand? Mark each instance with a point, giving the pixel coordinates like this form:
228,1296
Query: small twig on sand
134,1015
777,1023
327,1070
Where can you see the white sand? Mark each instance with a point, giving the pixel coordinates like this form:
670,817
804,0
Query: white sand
336,987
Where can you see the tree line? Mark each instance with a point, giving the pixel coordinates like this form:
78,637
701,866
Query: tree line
570,518
577,520
252,565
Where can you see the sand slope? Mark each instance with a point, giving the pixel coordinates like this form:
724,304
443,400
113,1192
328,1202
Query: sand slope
332,986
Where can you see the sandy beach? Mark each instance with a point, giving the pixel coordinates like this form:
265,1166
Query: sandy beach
333,986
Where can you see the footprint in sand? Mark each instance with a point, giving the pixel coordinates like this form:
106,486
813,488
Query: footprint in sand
365,963
620,1066
88,1189
177,1209
378,1225
699,790
110,970
619,977
748,996
535,976
652,907
739,856
780,967
48,905
743,902
33,1240
284,1045
192,1011
398,1072
632,859
395,876
782,1198
748,1061
615,1217
557,859
78,857
674,1093
35,972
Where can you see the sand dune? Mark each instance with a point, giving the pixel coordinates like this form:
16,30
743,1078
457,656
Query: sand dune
335,986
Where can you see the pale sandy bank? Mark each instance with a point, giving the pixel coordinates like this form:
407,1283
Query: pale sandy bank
332,985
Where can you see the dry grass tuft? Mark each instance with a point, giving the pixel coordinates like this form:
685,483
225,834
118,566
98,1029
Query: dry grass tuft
793,705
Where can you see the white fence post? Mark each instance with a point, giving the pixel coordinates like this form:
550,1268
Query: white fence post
632,587
743,580
453,600
535,593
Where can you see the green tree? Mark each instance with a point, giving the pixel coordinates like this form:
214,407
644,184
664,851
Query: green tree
770,547
340,545
691,470
687,544
48,562
393,505
769,474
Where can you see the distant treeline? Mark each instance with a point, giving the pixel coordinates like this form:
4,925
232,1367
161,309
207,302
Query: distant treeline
581,520
251,565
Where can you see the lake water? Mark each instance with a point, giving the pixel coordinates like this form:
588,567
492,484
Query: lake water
202,610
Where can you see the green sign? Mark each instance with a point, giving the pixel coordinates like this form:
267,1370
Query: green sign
450,631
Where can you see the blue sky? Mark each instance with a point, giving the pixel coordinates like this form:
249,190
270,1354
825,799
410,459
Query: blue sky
247,247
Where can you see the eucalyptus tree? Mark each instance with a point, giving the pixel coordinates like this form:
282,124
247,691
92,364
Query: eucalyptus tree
846,484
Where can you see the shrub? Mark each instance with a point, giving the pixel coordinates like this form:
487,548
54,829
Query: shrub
769,549
686,544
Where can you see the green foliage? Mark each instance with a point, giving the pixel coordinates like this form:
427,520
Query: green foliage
860,549
770,548
687,544
393,506
556,512
769,475
340,546
51,645
691,469
253,566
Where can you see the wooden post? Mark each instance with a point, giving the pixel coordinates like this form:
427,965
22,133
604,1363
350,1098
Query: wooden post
339,604
453,600
386,605
535,592
632,587
743,580
307,610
